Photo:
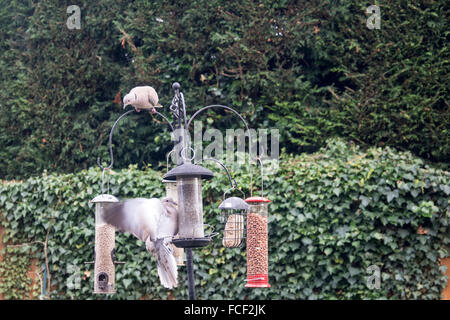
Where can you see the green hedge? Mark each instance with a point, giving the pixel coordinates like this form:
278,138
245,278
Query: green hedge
310,68
333,214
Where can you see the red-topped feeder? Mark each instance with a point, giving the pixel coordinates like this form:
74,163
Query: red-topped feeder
257,243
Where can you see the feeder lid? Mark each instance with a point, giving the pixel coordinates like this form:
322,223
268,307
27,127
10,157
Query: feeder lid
257,199
105,198
233,203
188,170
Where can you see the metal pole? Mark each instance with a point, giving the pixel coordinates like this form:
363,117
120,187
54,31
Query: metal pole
180,141
190,273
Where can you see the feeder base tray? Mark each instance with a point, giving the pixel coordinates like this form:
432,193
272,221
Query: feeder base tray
191,242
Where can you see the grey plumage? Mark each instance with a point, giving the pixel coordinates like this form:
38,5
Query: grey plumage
153,221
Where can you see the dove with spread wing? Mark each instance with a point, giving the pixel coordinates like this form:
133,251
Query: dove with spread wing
153,221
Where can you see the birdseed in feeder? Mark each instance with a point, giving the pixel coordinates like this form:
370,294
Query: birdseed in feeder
104,244
190,224
257,244
234,230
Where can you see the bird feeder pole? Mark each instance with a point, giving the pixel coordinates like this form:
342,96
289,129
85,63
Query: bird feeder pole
188,179
179,143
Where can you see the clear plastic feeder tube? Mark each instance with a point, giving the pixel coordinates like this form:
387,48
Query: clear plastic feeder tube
172,192
104,269
190,220
257,243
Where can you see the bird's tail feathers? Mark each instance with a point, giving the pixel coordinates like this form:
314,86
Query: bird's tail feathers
167,265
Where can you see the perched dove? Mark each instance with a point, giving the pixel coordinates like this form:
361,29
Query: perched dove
153,221
142,98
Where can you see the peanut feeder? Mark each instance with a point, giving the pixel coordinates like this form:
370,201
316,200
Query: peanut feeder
257,243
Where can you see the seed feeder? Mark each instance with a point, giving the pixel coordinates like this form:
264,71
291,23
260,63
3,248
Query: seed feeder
189,177
104,251
257,240
171,192
234,211
104,269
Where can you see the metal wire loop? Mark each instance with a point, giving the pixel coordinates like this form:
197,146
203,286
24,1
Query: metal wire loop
182,154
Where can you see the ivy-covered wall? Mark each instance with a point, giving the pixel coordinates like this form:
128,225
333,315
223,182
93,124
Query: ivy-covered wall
333,214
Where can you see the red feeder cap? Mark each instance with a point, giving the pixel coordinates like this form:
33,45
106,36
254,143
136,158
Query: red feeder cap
257,281
257,199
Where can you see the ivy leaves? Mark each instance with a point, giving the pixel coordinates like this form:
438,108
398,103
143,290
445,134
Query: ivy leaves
326,227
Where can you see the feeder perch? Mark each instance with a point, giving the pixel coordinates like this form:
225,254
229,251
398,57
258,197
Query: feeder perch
190,206
171,192
234,211
104,273
257,243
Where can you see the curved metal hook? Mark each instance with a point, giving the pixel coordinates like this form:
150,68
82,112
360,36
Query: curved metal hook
226,169
246,127
110,142
164,117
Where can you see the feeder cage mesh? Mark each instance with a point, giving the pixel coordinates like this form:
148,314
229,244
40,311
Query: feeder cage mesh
234,232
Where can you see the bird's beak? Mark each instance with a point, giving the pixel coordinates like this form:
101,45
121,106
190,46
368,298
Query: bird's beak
124,106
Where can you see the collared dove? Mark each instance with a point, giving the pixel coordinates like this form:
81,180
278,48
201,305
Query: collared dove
153,221
142,98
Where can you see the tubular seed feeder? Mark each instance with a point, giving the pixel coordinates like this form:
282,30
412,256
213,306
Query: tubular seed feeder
257,239
190,205
257,243
104,256
172,192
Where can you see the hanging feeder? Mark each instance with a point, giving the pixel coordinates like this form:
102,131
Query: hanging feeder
104,259
171,192
257,238
234,211
189,177
257,243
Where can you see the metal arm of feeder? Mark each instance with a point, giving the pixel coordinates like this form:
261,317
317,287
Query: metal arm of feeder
110,142
164,117
246,127
226,169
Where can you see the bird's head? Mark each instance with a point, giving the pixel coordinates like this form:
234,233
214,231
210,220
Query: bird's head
170,205
129,99
168,200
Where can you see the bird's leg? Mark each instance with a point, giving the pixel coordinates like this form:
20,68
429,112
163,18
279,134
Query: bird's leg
153,110
138,110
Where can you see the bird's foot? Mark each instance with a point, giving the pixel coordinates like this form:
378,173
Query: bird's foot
153,110
138,110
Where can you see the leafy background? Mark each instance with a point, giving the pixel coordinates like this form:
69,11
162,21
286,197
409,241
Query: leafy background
333,214
309,68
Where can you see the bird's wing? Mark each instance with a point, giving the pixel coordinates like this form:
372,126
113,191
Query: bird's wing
167,265
153,97
138,216
168,222
152,100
